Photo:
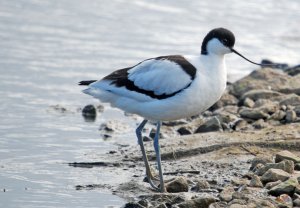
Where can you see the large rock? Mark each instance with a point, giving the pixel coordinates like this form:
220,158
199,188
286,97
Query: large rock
266,78
274,175
286,155
286,187
177,185
260,94
202,202
261,159
254,114
212,124
285,165
291,99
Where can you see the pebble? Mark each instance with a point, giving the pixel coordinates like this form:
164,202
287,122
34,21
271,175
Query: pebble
255,182
202,202
291,116
284,199
177,185
89,113
260,124
278,115
200,185
226,194
248,103
133,205
184,131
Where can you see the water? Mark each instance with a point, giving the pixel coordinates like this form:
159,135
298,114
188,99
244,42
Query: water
48,46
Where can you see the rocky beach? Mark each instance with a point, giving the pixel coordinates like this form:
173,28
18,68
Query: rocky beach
242,152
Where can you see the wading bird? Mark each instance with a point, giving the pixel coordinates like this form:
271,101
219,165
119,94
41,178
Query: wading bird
168,88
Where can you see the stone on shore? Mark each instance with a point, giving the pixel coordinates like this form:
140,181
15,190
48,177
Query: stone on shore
212,124
202,202
177,185
286,155
226,194
274,175
286,187
256,182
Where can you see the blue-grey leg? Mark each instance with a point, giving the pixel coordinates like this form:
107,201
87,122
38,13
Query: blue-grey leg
145,158
158,158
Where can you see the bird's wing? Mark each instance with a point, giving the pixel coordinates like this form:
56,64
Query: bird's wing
158,78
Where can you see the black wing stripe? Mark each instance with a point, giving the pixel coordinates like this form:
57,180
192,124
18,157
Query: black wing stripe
119,78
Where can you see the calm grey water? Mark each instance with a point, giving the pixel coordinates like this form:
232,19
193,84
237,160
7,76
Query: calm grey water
47,46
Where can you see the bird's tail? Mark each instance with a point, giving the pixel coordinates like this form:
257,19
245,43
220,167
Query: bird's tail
86,82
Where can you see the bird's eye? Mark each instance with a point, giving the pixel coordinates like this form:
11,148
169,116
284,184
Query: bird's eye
225,40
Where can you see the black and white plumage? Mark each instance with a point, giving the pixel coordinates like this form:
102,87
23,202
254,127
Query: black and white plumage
168,87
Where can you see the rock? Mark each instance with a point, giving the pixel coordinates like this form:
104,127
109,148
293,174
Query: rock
274,175
133,205
202,202
226,99
297,110
286,155
153,132
297,190
177,185
285,200
265,78
241,125
184,131
256,182
144,202
282,66
260,94
89,113
240,181
297,166
260,159
296,202
291,99
225,117
236,205
272,184
278,115
285,165
255,203
248,102
286,187
226,194
254,114
267,106
162,206
260,124
293,71
290,116
212,124
201,184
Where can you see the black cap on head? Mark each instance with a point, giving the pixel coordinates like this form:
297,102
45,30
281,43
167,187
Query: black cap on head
225,36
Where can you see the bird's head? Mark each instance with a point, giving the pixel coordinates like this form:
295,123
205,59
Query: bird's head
220,41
